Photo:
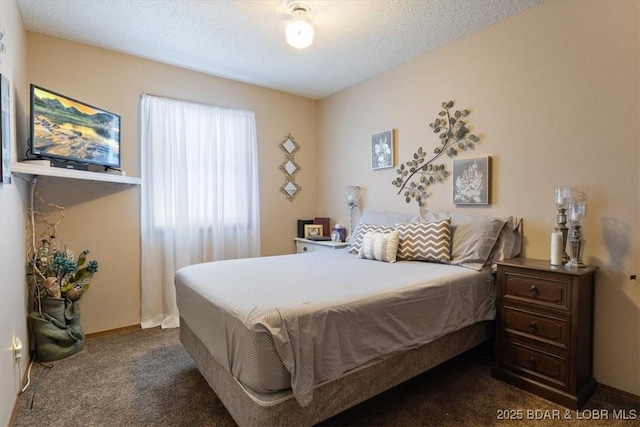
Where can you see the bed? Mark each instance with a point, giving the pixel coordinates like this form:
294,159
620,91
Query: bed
296,339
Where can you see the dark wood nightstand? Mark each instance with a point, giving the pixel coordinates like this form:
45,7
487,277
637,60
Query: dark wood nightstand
544,321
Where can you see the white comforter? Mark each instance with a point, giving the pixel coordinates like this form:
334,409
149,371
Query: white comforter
323,313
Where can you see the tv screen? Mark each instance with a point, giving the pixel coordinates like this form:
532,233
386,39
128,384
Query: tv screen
73,132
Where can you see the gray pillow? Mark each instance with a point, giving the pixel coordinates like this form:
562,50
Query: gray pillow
425,241
473,237
509,242
388,219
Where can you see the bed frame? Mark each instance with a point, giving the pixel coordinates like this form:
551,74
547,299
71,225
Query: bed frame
332,397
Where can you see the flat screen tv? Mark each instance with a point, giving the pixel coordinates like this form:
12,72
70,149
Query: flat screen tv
73,134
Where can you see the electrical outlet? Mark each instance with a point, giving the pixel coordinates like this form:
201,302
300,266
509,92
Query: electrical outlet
17,349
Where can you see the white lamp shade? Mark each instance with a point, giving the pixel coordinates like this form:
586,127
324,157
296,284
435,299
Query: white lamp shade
299,34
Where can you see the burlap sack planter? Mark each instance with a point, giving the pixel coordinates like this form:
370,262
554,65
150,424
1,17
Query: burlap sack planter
57,332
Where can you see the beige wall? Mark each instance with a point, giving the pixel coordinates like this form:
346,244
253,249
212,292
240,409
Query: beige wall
105,217
553,93
554,96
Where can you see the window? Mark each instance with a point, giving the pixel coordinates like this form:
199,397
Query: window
199,194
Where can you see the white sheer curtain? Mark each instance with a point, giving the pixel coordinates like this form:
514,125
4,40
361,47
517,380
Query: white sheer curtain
199,195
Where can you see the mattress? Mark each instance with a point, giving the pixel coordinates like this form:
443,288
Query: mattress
296,321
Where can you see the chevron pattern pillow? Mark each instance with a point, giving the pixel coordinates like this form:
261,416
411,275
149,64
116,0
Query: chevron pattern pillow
425,241
364,229
380,246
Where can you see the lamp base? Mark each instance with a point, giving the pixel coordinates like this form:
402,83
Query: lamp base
575,248
575,264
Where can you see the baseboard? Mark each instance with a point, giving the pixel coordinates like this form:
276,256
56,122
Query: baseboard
112,331
620,393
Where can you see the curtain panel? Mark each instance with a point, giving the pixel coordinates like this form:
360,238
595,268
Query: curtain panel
200,199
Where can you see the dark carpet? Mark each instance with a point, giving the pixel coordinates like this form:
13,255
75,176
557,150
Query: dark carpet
146,378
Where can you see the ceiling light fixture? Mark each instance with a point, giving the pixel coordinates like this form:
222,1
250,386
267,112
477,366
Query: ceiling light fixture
299,32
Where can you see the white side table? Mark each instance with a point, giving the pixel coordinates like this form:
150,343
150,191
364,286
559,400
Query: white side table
305,245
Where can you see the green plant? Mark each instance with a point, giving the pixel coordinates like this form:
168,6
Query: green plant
454,136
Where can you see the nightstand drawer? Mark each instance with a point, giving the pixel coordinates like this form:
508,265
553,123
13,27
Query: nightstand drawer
545,292
302,248
544,329
536,326
536,364
303,245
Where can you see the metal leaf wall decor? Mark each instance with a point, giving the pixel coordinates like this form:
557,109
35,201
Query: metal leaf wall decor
454,137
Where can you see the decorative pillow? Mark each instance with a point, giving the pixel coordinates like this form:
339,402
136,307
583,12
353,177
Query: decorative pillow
388,219
379,246
362,230
473,237
425,241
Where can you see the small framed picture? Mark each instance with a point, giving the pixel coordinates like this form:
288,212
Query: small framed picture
472,181
382,150
312,230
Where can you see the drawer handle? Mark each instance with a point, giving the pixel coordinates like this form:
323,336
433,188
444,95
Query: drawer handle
532,362
533,290
305,249
533,327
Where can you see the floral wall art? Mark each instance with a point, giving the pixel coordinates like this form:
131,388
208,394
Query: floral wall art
471,181
382,150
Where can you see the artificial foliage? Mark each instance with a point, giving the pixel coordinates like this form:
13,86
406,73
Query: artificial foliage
53,270
454,136
58,273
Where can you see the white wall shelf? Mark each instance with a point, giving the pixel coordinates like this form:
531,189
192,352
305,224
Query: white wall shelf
34,169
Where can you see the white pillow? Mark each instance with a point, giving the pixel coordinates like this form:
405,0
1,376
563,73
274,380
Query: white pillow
379,246
362,230
425,241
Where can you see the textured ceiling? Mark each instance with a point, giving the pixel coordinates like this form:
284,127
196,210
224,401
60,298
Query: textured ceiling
244,40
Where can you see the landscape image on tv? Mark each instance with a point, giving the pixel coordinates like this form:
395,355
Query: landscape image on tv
70,130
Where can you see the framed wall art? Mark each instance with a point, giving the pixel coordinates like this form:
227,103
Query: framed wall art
382,145
472,181
289,167
5,136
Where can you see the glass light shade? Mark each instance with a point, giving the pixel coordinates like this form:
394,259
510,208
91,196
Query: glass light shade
353,193
577,212
561,195
573,195
299,34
